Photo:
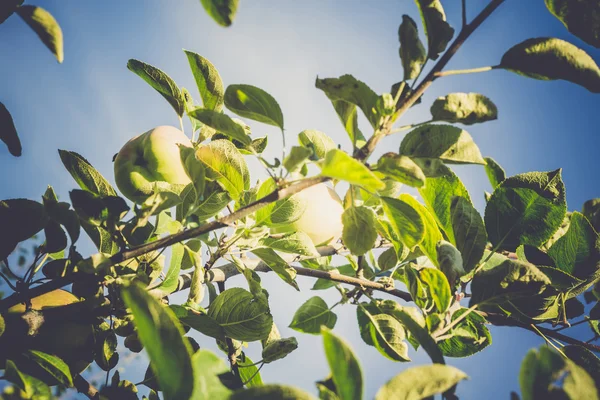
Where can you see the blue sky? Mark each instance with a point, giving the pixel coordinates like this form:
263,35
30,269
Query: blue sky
92,104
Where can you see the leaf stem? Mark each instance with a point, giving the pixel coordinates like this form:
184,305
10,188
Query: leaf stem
465,71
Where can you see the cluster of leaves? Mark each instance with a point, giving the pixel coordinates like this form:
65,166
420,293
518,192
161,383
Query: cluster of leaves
525,262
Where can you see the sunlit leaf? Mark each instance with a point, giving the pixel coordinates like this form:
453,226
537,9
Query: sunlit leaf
225,164
406,221
222,11
254,103
313,314
420,382
446,142
241,315
464,108
359,233
208,81
339,165
45,26
349,89
550,59
525,209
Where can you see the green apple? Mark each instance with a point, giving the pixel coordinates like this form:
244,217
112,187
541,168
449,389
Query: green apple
322,217
150,157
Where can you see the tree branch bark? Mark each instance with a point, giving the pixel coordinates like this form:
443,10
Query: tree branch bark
464,34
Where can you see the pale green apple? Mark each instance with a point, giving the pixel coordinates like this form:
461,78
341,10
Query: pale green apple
322,217
150,157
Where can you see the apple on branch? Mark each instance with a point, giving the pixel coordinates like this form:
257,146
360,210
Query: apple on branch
151,157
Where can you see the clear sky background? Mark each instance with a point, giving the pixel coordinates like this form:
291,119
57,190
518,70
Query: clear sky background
92,104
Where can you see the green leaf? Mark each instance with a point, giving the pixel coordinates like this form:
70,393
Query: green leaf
339,165
580,17
221,123
437,30
254,103
437,195
420,382
194,170
199,321
241,315
221,11
550,59
359,233
161,82
56,239
546,374
507,281
347,114
585,359
313,314
249,373
405,220
169,284
212,205
469,232
106,350
387,335
574,252
349,89
296,158
279,349
432,233
470,336
20,219
437,286
494,172
295,243
7,8
412,52
278,265
265,392
53,365
464,108
162,336
33,387
413,321
225,164
318,141
207,368
345,369
525,209
8,132
86,176
46,27
208,81
402,169
448,143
